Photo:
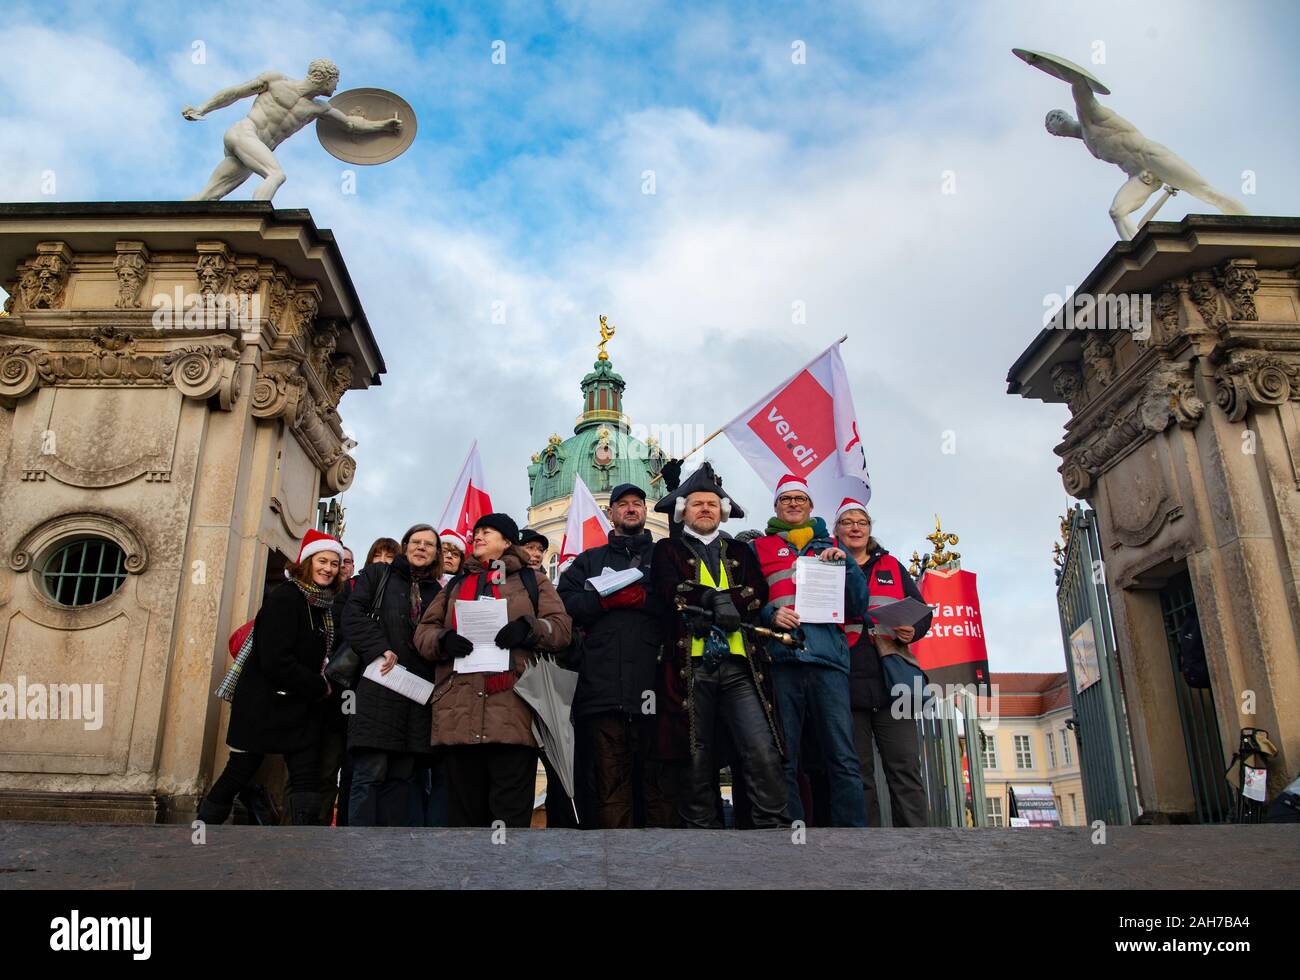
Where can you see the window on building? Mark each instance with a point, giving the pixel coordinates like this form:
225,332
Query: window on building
84,571
990,749
1051,751
1065,746
994,807
1024,755
1074,807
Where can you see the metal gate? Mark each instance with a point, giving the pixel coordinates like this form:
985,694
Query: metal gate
946,729
1100,724
1205,758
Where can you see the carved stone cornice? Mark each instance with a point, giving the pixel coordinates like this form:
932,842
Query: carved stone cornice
279,389
202,371
1238,280
1205,303
112,358
1099,358
1067,382
1254,378
340,378
324,341
43,280
302,311
1166,395
131,268
215,268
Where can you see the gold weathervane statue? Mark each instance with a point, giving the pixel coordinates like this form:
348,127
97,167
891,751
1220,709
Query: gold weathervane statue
606,332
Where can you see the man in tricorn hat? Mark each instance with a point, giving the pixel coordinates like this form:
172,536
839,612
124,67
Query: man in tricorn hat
714,676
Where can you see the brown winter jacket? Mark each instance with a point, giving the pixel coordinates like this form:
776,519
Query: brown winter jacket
463,714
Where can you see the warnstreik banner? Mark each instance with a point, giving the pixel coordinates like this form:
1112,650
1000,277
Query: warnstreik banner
953,652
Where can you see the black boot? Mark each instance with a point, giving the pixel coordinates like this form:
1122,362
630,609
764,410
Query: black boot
306,809
257,801
212,813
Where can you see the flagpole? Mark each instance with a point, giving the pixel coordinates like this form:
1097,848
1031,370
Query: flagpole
717,432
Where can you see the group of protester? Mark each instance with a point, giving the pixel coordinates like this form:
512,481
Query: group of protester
699,665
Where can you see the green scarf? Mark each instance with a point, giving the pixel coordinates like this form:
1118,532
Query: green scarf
777,526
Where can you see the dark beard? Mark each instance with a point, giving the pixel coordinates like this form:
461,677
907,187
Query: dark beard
629,532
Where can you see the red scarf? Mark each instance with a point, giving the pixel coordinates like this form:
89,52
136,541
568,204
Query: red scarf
469,591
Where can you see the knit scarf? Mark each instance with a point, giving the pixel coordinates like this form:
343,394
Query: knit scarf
798,534
322,599
416,599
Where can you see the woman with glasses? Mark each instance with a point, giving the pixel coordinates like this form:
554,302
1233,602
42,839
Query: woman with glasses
873,720
388,737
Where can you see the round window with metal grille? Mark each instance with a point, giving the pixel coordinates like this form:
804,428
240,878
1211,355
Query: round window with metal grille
84,571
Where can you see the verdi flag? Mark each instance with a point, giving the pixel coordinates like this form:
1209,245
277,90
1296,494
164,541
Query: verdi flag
586,527
469,497
953,652
807,426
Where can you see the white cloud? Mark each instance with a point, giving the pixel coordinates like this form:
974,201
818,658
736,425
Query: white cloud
819,184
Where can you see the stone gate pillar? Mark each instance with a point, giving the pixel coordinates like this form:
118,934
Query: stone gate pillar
1180,365
170,379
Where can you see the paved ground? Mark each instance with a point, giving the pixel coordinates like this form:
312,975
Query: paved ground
84,856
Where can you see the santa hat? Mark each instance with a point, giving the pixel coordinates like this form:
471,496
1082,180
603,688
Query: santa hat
848,505
791,482
454,539
314,542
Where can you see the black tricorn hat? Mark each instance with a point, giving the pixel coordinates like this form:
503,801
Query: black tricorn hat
703,480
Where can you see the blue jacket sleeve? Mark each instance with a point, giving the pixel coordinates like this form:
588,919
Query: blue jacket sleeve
857,590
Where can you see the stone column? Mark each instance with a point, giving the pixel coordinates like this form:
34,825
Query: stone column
170,385
1185,437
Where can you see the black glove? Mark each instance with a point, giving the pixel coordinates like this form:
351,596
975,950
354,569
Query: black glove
698,623
514,633
453,644
672,474
725,615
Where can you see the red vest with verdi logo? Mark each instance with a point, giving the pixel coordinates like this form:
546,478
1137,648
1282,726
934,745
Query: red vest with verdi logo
886,584
776,557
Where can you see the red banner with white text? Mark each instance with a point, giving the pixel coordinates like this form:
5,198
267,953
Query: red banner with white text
953,652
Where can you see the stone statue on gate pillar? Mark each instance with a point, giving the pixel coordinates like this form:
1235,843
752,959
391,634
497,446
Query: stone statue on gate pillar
1112,138
281,108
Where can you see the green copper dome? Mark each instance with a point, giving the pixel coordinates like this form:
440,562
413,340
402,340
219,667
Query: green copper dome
601,450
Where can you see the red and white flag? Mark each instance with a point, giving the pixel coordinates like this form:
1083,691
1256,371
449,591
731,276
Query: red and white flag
469,497
586,527
807,426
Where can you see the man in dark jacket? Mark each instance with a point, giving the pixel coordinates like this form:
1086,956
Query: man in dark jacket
616,656
715,676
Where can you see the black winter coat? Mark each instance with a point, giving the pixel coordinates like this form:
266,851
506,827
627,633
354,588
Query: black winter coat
277,706
867,689
616,653
334,720
385,719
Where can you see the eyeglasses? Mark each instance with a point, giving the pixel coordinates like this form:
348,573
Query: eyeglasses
862,524
793,499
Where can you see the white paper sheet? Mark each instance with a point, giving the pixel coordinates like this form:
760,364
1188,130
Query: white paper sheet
479,621
819,590
609,581
401,680
903,612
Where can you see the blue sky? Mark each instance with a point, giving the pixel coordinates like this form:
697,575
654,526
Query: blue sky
775,183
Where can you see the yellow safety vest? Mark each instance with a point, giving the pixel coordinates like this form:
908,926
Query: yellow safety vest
735,641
